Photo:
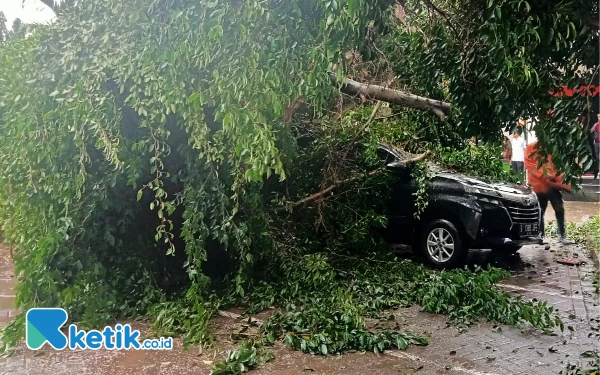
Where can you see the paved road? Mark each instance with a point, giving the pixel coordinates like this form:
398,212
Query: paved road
576,211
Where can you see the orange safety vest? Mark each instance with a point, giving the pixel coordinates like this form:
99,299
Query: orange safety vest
539,178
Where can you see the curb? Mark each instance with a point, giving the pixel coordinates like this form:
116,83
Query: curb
592,252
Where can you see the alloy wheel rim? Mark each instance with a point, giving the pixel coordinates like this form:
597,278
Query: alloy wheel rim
440,245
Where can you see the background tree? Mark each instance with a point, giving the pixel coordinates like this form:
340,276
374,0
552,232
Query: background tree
3,28
497,60
18,28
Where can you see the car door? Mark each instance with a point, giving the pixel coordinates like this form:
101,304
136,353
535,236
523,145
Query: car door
402,202
401,206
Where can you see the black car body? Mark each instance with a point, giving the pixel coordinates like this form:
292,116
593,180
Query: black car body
462,213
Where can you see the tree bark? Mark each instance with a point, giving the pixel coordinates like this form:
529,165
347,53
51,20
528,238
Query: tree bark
351,87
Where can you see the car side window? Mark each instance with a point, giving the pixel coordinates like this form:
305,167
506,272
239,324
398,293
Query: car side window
384,156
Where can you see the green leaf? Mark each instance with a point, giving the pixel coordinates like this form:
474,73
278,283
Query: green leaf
352,5
330,20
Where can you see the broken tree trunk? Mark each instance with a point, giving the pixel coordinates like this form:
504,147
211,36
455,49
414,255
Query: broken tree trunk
351,87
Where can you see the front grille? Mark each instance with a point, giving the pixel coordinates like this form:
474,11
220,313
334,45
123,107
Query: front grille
522,214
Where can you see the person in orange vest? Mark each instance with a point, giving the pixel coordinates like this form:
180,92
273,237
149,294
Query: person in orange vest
548,186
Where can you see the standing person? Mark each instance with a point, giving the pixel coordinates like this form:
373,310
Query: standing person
518,152
595,130
548,187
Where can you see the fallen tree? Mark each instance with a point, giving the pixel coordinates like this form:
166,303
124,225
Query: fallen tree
145,163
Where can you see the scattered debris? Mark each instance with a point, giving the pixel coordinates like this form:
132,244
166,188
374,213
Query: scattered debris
232,315
569,261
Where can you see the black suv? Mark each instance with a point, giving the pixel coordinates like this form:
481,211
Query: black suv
463,213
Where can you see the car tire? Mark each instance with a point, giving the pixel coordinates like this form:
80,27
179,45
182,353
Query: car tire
442,245
507,249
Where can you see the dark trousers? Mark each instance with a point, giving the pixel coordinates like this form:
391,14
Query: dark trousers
517,166
555,198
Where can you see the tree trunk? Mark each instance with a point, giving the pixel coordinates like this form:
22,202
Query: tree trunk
351,87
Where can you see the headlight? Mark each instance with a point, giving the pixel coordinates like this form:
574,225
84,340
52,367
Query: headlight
482,195
488,200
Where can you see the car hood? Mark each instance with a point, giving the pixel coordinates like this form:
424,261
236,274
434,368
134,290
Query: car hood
513,192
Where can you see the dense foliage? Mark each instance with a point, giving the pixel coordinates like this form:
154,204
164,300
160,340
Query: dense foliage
159,151
97,110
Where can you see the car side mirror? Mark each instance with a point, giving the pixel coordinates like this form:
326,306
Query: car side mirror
399,169
395,166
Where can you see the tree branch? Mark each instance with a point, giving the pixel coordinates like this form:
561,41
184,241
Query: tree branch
58,5
431,5
351,87
321,193
51,4
337,183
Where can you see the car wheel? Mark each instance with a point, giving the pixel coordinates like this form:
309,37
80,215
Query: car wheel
442,244
508,249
